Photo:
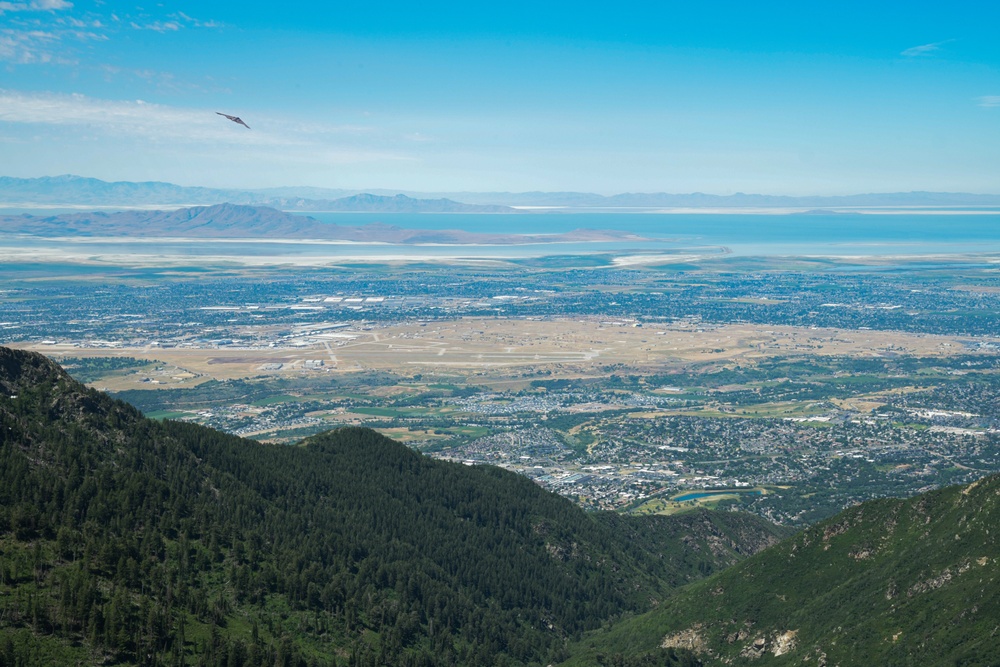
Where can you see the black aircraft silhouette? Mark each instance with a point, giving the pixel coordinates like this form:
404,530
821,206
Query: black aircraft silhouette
235,119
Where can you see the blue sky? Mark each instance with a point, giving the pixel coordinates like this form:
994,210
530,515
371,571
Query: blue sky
720,97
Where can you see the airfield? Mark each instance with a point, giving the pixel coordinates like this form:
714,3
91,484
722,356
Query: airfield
617,414
510,352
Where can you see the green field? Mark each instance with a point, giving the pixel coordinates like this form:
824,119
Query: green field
670,505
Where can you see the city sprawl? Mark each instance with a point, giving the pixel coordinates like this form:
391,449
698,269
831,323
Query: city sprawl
789,388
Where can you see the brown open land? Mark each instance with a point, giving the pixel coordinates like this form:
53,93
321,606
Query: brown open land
509,351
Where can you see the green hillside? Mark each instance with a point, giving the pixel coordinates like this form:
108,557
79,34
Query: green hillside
889,582
129,541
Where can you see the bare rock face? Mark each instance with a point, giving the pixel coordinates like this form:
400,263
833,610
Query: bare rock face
755,649
690,639
784,643
778,643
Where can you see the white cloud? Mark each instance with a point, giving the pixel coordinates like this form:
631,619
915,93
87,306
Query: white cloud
989,101
36,40
25,47
157,26
196,23
924,49
139,118
20,44
172,23
157,127
35,6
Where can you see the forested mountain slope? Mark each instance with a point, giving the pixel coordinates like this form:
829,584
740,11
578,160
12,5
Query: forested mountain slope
889,582
125,540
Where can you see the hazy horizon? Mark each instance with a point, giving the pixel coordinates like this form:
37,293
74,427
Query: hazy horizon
382,190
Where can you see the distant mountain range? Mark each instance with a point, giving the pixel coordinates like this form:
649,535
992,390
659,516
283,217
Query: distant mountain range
369,203
242,221
79,191
90,192
57,191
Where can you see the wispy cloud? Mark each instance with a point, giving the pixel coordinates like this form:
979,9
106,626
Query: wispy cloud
29,40
34,6
989,101
924,49
50,31
26,47
152,125
157,26
196,23
169,23
156,122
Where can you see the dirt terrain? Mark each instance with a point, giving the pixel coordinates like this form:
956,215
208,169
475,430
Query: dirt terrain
506,350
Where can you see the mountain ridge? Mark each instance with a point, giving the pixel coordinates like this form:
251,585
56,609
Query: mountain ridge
69,190
245,221
133,541
889,582
79,190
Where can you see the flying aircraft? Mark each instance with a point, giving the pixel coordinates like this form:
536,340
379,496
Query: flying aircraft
235,119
